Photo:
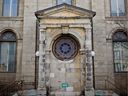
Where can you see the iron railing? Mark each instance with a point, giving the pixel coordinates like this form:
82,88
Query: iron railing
9,88
109,83
106,82
12,86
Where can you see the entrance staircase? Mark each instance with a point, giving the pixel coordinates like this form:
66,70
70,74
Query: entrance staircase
9,88
110,87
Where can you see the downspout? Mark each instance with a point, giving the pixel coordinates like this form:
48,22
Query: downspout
36,49
91,2
93,50
36,57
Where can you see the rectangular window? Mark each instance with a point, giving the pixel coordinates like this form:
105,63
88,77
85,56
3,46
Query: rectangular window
64,1
7,56
117,7
10,8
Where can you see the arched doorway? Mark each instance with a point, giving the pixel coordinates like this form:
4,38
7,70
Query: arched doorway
65,67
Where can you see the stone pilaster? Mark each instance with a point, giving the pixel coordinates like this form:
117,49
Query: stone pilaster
83,67
41,74
47,67
89,90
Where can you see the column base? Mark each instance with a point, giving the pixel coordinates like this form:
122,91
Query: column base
41,92
89,92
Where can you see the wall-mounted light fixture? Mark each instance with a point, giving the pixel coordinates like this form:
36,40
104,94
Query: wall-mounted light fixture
37,53
92,53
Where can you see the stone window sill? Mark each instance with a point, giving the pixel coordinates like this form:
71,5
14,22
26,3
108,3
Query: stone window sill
114,18
11,18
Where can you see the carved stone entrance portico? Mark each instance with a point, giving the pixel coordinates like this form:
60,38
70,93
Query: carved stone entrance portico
65,76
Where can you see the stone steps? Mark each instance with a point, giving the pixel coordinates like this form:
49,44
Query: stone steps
41,93
65,93
105,93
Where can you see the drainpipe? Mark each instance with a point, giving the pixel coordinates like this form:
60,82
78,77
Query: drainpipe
93,56
36,49
36,57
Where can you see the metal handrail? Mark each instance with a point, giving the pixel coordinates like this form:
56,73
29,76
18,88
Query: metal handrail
116,88
108,80
119,89
11,88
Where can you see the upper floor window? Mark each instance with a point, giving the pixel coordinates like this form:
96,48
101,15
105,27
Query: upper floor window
120,51
117,7
7,52
64,1
10,8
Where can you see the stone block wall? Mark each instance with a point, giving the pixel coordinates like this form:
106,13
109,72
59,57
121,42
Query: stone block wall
25,27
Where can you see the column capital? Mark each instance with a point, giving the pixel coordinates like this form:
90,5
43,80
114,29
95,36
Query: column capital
42,27
43,30
87,26
48,51
82,51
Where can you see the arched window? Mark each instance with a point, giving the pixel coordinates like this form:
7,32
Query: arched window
7,52
120,50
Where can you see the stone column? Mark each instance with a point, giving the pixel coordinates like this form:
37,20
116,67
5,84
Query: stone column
41,74
89,90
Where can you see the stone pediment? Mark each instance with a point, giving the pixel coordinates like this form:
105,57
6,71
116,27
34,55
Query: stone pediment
64,11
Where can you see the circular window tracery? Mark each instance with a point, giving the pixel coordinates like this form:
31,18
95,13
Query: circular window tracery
65,47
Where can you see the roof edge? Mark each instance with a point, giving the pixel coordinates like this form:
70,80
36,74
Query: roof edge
39,12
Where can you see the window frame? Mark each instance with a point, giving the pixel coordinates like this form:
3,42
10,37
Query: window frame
15,69
125,8
18,5
72,2
119,30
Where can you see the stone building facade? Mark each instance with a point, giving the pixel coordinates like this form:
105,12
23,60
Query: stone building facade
52,43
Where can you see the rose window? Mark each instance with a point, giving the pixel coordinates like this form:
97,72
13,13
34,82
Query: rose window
65,48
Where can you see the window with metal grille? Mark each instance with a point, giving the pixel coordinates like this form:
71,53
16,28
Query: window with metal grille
120,50
7,52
